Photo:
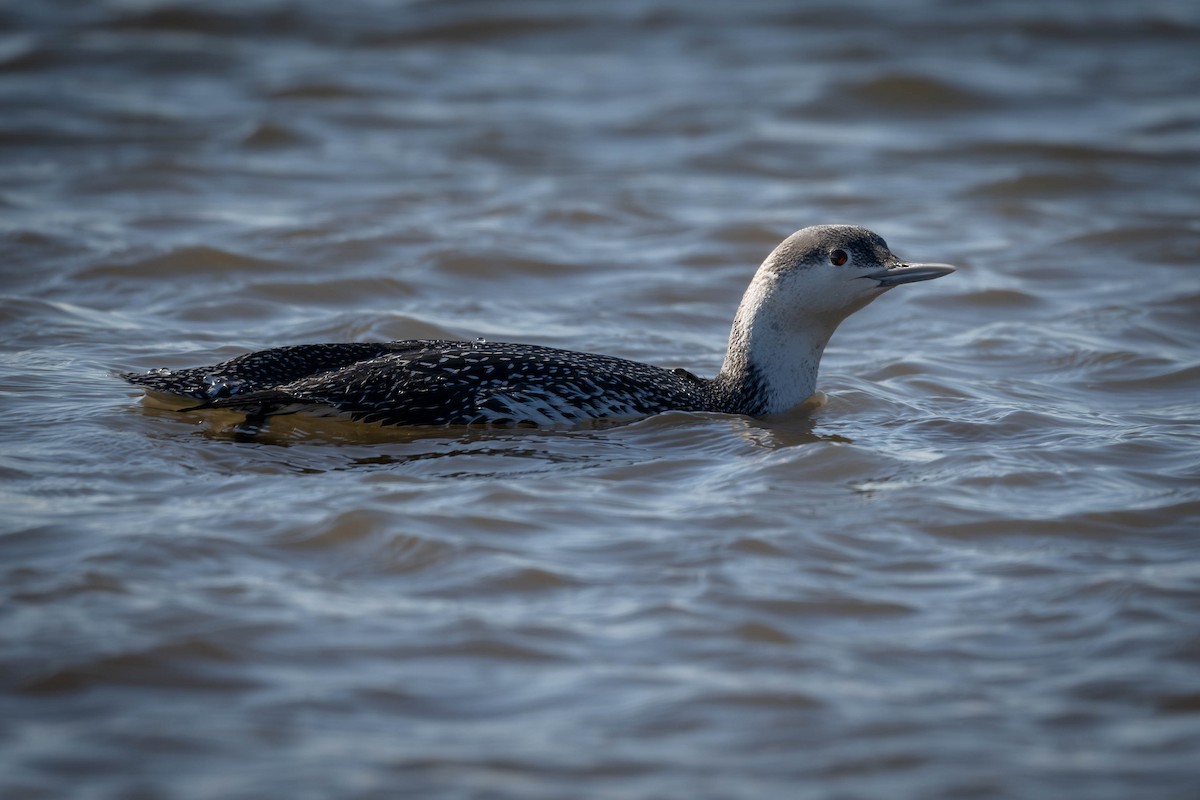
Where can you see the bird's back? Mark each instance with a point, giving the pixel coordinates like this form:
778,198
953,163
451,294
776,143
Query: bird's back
435,382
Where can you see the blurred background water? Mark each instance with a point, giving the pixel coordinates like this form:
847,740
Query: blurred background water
972,573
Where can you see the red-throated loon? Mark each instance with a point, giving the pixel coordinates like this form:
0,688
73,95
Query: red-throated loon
812,281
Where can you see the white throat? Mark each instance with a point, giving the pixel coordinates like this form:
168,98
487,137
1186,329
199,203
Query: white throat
775,347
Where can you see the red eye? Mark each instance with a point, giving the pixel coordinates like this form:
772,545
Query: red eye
838,257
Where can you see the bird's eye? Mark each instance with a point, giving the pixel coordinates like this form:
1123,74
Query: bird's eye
838,257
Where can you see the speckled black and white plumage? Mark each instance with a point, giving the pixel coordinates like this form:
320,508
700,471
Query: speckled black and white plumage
808,284
438,382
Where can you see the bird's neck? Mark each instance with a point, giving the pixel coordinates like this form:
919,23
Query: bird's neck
772,361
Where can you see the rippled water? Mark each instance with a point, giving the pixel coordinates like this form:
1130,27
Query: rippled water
973,572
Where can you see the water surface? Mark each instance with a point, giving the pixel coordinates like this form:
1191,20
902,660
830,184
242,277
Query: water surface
972,572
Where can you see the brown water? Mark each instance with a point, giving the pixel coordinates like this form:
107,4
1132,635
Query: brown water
972,573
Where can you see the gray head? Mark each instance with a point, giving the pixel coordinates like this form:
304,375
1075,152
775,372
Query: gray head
831,271
812,281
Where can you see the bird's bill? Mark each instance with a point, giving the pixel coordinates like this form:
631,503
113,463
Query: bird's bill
909,273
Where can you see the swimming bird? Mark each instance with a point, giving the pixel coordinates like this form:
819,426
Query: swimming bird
812,281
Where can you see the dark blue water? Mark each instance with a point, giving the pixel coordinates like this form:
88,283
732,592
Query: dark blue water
972,572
